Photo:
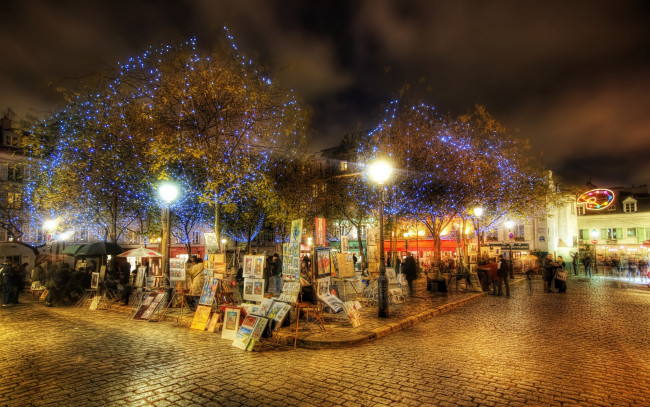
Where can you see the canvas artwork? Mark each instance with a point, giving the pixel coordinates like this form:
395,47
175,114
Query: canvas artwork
139,277
352,311
323,286
94,281
144,306
390,274
278,311
265,306
95,302
212,323
248,266
346,265
335,262
148,313
209,291
296,250
332,301
230,323
201,317
176,269
258,267
396,295
244,332
256,335
296,231
344,244
323,262
290,291
253,289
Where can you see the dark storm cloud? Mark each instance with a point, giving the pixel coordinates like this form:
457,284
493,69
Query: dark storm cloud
571,76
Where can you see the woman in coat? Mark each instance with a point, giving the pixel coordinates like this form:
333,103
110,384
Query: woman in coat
196,280
409,269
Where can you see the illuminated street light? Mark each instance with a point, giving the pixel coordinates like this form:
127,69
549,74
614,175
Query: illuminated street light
379,172
168,192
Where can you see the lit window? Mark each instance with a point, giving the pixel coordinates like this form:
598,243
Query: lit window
581,210
344,165
631,232
629,207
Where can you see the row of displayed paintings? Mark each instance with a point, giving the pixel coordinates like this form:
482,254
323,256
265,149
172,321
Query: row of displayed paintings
269,314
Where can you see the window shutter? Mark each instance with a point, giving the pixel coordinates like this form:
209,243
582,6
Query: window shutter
4,172
619,233
640,233
603,234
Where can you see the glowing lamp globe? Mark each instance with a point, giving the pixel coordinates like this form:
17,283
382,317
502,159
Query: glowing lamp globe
168,192
380,171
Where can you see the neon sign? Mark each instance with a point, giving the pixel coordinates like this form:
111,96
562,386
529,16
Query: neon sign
596,199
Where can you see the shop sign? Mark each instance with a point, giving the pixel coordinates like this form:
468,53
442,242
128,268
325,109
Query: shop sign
515,246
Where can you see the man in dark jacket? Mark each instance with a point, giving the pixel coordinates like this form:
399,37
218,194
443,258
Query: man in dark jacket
7,279
277,273
503,272
409,269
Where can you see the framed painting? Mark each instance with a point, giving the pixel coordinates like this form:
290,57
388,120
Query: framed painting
253,289
230,323
94,281
258,267
248,266
323,262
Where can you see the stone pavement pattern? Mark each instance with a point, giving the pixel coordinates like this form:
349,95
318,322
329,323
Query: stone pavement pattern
588,347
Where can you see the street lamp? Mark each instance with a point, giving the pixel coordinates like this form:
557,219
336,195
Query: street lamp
478,211
168,192
379,172
509,225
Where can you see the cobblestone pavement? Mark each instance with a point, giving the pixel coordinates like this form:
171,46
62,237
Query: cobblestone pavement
588,347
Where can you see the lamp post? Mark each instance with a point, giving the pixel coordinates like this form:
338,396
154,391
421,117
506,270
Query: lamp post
168,192
509,225
379,173
594,237
478,211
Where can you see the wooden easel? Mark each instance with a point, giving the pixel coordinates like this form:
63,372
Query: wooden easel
179,295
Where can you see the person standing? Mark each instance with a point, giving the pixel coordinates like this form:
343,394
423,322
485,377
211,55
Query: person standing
268,273
277,273
548,275
560,284
7,278
197,281
409,270
50,283
503,272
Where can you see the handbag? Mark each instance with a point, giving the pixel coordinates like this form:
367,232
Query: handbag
561,275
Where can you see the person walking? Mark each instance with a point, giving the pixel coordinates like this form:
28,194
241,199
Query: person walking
409,270
587,263
503,272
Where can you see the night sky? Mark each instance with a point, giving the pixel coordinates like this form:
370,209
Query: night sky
572,76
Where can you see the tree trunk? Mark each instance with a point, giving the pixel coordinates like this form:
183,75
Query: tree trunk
217,224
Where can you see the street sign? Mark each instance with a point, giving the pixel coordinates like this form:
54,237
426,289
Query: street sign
594,241
511,235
